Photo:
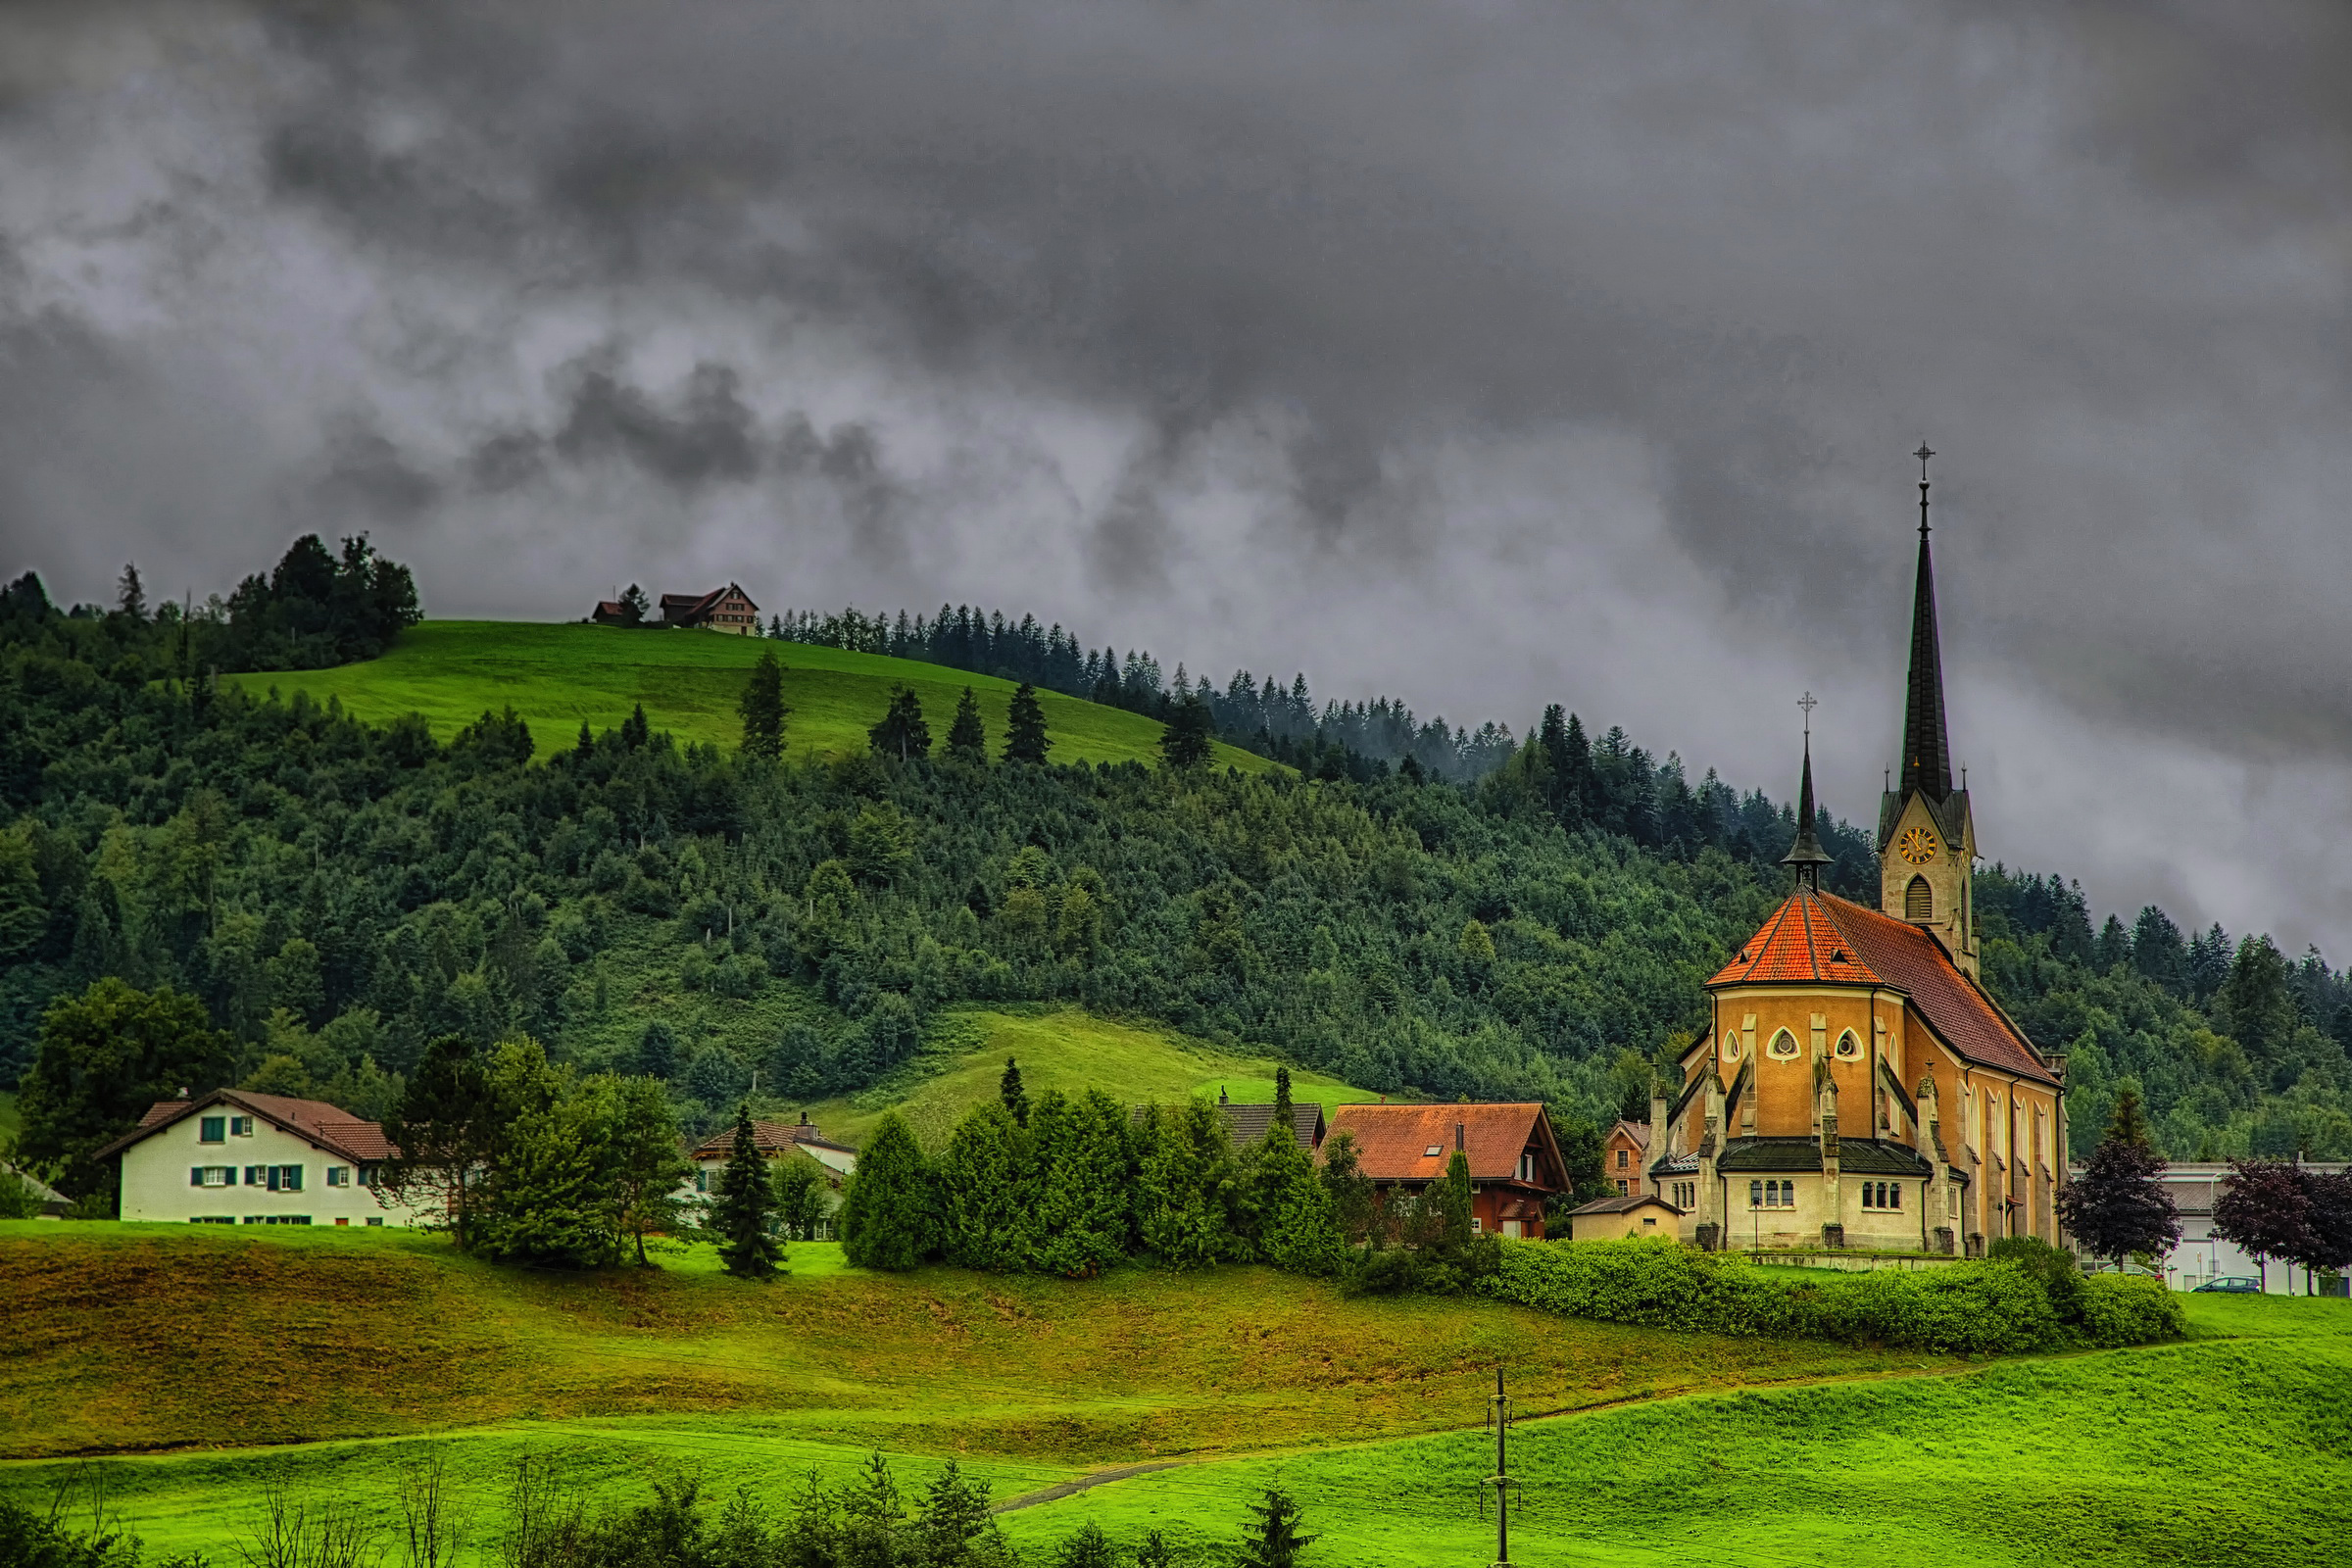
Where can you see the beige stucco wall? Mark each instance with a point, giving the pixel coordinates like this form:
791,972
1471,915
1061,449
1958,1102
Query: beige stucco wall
1648,1220
156,1187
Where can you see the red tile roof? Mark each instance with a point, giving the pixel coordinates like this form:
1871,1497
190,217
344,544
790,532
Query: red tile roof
330,1127
1392,1141
1797,945
1822,938
768,1136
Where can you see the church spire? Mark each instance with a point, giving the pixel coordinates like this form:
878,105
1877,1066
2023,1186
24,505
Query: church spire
1927,749
1806,854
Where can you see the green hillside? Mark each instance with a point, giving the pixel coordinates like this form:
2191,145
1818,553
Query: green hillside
1067,1050
1635,1445
556,676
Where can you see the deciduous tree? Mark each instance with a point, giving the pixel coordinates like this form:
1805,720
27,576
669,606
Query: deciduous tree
2118,1206
104,1056
2264,1208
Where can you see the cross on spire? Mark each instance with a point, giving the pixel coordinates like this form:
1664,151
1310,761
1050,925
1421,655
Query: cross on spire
1806,855
1923,454
1808,703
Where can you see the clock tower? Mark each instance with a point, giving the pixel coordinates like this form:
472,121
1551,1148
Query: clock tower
1927,836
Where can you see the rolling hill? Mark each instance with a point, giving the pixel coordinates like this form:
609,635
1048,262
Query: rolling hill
558,676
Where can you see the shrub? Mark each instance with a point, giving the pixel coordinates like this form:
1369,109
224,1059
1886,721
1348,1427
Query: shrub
2130,1310
2053,1266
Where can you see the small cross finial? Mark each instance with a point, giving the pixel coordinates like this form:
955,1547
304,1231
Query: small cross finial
1808,703
1923,454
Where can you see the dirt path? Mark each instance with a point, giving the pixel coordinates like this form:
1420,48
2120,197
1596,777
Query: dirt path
1055,1494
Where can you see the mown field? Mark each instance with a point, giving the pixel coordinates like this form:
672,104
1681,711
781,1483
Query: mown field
556,676
329,1356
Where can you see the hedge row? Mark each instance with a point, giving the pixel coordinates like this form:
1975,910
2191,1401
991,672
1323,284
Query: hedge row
1995,1307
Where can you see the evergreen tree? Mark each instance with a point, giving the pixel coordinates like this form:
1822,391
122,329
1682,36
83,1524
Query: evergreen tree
1025,739
1284,1112
1453,1207
1009,1091
130,595
551,1195
635,731
584,747
763,709
967,738
1089,1548
1186,1194
981,1196
885,1219
1273,1541
1154,1553
443,1130
1299,1228
743,1209
658,1050
1084,1185
901,732
1184,744
2118,1205
634,607
952,1525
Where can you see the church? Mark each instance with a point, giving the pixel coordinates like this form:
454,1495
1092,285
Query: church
1858,1086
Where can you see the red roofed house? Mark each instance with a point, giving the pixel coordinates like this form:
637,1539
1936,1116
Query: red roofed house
1858,1086
233,1157
777,1141
1622,1157
1514,1162
727,609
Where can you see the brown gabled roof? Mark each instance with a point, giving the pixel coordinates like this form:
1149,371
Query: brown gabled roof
1954,1006
689,605
1393,1142
1614,1204
330,1127
768,1136
1797,944
1248,1123
1638,1131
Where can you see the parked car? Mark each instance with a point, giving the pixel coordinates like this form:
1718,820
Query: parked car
2235,1284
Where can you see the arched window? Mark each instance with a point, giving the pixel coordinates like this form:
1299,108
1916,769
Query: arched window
1895,1194
1849,1046
1730,1047
1919,901
1782,1046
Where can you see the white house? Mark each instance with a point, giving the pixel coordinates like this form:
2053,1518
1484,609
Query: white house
234,1157
778,1140
2203,1256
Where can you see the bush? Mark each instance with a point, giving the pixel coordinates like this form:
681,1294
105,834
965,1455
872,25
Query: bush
2130,1310
2053,1266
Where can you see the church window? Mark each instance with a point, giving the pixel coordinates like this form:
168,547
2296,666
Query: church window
1782,1046
1730,1047
1755,1195
1895,1194
1919,901
1849,1046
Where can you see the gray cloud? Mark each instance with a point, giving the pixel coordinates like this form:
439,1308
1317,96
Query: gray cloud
1486,355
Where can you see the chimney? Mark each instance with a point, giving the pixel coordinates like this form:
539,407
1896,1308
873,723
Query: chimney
1658,1138
1458,1135
804,1118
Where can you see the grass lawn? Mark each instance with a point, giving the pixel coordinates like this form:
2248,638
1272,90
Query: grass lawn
1635,1445
556,676
1064,1048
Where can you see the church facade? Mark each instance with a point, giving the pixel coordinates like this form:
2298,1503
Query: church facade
1857,1086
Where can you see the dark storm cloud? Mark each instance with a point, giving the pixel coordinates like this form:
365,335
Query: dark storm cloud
1495,353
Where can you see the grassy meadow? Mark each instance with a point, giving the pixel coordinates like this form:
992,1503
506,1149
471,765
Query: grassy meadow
557,677
201,1362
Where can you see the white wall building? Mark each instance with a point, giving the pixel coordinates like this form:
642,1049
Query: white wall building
2203,1256
233,1157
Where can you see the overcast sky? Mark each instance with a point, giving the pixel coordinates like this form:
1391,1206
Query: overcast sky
1485,355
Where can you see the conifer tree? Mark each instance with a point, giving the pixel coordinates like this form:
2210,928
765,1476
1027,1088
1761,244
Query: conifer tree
763,709
1186,1194
130,595
635,731
585,746
1154,1553
1009,1091
1089,1548
1297,1228
901,733
744,1211
952,1522
1083,1163
1185,743
634,607
1284,1112
1025,739
2118,1206
1274,1540
648,1170
980,1192
885,1219
1453,1197
1350,1189
967,738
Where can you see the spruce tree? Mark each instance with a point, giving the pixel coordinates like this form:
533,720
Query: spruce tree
130,595
744,1210
1083,1163
585,747
978,1181
1452,1205
1089,1548
1285,1113
1025,739
634,607
1009,1091
885,1218
1187,1191
635,731
901,733
967,738
1274,1540
1185,743
763,709
1154,1553
2118,1206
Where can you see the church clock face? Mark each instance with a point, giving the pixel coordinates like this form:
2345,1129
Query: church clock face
1916,845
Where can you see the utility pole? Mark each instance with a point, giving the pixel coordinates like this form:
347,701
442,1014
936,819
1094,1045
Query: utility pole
1501,1417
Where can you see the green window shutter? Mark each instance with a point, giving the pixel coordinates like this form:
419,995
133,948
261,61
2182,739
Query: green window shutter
195,1175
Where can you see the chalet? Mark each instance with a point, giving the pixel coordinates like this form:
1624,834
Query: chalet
778,1140
1620,1216
727,609
1515,1163
1621,1158
1248,1123
611,613
236,1157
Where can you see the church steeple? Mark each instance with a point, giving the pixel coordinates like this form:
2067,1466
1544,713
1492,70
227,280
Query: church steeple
1927,750
1806,854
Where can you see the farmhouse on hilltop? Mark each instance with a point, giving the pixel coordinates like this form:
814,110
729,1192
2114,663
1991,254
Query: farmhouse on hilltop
1514,1162
727,609
1857,1086
232,1157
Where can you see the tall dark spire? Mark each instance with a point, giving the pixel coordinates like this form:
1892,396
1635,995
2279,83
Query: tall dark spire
1806,854
1927,749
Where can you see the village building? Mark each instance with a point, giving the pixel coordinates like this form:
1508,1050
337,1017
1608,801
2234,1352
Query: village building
1857,1086
2203,1257
1514,1162
728,610
1624,1157
236,1157
777,1141
611,613
1618,1216
1248,1123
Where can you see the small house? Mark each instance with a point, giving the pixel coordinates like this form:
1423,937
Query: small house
1619,1215
777,1141
728,610
1621,1158
1248,1123
1514,1162
236,1157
